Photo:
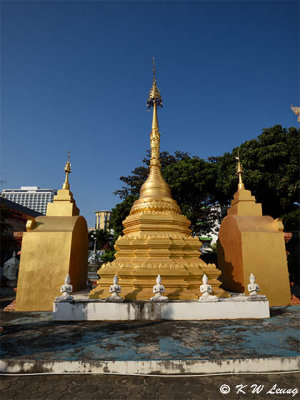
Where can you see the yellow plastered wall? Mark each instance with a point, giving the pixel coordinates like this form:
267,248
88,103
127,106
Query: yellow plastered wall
254,244
230,256
55,247
264,255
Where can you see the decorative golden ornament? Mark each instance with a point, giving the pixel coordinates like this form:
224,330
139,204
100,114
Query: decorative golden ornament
66,184
239,172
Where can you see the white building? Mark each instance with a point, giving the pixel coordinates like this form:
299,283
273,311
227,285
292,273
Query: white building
30,196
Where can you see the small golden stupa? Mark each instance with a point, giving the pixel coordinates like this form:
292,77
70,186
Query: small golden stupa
250,242
53,246
157,239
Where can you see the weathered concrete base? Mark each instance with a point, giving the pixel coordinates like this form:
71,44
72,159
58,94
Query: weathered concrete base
99,310
153,367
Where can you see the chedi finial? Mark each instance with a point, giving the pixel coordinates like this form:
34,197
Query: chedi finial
154,94
153,68
154,100
239,171
66,185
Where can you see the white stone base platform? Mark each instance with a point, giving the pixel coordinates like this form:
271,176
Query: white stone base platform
238,307
154,367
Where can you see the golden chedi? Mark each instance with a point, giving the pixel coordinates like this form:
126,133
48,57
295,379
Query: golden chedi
252,243
157,239
54,246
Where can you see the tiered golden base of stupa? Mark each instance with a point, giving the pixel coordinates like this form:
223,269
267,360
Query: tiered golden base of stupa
162,246
157,240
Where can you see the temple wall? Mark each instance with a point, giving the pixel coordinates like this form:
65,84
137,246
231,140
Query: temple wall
254,244
55,247
79,255
230,256
265,256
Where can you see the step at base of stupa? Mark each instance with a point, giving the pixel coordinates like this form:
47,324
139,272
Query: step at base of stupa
98,310
181,281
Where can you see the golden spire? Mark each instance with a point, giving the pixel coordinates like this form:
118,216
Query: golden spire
154,100
155,188
239,171
66,185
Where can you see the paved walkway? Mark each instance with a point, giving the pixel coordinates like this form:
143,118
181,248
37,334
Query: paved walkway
99,387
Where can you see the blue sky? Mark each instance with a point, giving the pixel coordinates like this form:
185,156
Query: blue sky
76,76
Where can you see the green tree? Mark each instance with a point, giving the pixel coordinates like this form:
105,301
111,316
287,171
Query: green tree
192,183
190,179
271,172
138,176
204,189
108,256
119,213
7,242
102,238
133,182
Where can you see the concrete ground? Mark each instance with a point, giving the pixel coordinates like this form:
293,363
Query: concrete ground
34,336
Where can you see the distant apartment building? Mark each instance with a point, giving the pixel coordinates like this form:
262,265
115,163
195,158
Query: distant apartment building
102,219
30,196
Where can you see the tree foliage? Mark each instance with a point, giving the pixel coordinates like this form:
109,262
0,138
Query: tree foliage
138,176
205,188
108,256
120,212
7,242
102,238
271,172
191,181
